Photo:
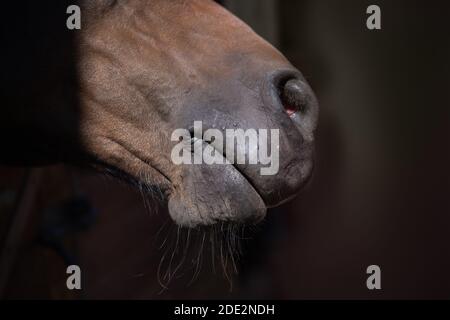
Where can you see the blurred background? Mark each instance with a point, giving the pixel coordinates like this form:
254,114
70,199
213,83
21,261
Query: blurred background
380,193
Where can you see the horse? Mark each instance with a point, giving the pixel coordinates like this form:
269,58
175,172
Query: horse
110,94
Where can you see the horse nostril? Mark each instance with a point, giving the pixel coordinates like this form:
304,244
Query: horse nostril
294,96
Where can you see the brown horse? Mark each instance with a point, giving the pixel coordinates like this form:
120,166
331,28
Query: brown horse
110,95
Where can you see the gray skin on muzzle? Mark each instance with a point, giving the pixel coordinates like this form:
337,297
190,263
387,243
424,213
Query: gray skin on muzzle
238,192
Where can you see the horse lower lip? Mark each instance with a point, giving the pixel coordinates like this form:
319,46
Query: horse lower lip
241,173
200,200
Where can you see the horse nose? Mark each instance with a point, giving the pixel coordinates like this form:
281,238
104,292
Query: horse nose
294,97
298,102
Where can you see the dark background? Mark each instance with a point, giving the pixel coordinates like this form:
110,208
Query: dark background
380,194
